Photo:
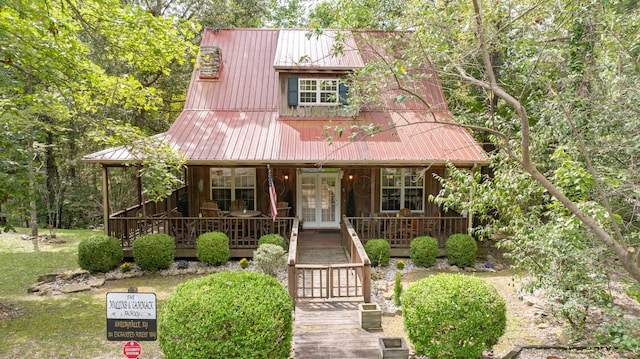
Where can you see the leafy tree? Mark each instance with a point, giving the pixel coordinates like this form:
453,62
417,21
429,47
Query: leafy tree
56,89
552,90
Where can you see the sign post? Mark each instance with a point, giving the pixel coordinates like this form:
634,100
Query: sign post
131,317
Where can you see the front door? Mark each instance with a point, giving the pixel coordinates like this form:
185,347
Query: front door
319,197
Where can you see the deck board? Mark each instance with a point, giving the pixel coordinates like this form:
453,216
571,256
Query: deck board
331,330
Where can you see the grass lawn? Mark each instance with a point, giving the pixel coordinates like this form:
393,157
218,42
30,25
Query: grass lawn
69,326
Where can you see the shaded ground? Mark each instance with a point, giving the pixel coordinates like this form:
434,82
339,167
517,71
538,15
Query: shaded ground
529,321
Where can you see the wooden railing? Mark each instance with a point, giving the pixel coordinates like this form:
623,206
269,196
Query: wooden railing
243,233
344,280
150,208
399,231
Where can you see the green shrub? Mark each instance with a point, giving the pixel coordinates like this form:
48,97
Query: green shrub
99,253
397,290
378,251
154,251
461,250
227,315
213,248
453,316
423,251
269,258
273,239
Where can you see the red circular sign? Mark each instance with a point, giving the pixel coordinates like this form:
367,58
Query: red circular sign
131,350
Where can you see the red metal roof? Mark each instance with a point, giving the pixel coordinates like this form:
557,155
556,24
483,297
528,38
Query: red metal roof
302,50
234,119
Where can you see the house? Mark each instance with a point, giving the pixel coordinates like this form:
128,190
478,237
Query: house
262,97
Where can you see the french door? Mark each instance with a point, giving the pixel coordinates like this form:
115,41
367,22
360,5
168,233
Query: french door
319,197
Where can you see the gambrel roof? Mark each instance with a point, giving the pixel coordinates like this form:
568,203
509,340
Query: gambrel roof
234,119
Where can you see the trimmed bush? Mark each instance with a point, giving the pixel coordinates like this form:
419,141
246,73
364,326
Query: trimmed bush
227,315
379,251
99,253
269,258
423,251
273,239
154,251
453,316
213,248
461,250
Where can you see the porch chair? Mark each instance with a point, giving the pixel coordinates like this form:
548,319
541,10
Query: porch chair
238,205
432,225
405,212
210,204
182,230
283,209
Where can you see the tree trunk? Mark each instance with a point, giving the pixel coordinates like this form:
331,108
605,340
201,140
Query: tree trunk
33,216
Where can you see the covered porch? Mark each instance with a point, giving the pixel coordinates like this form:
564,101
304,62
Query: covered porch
390,203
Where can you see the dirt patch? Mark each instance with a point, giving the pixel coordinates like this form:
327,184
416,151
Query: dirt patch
8,313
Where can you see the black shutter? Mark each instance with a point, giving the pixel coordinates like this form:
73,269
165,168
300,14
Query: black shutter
292,91
343,93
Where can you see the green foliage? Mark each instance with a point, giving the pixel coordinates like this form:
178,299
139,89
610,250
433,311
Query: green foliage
397,290
622,332
453,316
227,315
461,250
423,251
99,253
269,258
273,238
378,251
634,292
154,251
213,248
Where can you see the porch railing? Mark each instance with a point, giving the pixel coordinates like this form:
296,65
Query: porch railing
243,233
343,280
399,231
150,208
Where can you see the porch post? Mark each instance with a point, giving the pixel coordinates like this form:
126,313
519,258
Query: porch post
105,198
372,201
469,211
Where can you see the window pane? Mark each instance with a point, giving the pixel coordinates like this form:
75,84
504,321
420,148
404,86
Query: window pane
328,97
413,199
328,85
391,177
413,177
223,197
308,85
248,195
390,200
307,97
221,177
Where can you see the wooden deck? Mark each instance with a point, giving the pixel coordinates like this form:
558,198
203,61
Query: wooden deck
331,330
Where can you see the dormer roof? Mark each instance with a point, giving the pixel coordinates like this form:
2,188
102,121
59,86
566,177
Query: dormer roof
307,51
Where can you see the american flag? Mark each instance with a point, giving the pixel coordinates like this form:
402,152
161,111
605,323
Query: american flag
273,197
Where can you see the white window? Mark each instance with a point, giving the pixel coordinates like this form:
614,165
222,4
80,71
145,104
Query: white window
318,92
230,184
401,188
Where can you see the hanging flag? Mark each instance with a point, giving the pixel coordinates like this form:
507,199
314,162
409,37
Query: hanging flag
273,197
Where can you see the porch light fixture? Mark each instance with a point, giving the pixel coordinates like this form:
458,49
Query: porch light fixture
350,177
285,177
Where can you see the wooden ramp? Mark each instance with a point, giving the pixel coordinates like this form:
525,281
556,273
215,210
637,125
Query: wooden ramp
331,330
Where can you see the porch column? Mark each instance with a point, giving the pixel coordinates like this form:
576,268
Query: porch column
105,198
372,200
469,211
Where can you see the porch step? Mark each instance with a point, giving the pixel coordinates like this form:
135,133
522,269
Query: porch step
331,330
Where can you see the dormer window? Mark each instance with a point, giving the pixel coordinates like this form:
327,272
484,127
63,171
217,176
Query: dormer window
316,92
